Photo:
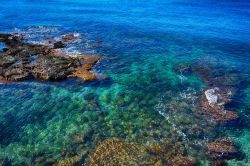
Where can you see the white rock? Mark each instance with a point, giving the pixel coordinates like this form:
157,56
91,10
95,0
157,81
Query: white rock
211,96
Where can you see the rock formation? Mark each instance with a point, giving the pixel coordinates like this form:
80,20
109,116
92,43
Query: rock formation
116,152
22,61
216,75
212,105
222,149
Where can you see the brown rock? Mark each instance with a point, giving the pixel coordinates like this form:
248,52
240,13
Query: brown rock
222,149
212,107
4,81
22,61
69,37
86,63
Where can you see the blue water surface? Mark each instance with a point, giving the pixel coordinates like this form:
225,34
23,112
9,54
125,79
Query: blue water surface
145,100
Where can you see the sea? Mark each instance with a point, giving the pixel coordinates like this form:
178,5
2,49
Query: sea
145,100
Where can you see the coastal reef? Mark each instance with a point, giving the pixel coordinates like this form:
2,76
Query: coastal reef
212,108
21,60
117,152
222,148
221,87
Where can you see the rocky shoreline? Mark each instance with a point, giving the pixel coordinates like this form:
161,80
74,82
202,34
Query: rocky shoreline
20,60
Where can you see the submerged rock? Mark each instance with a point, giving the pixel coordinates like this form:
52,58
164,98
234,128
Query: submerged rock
212,105
69,161
90,97
218,163
5,162
183,161
183,68
216,76
116,152
22,61
222,149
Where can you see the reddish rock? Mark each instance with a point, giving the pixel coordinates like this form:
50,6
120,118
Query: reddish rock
4,81
212,105
204,72
69,37
222,149
218,115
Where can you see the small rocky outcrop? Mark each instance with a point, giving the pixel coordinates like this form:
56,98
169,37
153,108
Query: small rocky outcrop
222,149
83,71
22,61
69,37
212,105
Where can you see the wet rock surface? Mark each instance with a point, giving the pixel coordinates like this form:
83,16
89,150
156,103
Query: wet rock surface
83,71
212,105
3,80
222,149
22,61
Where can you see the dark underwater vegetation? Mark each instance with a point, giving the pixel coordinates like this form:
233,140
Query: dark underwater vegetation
163,60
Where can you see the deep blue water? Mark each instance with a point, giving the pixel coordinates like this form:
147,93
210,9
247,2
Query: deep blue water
141,42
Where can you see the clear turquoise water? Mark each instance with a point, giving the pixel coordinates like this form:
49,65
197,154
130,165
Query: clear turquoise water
144,100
